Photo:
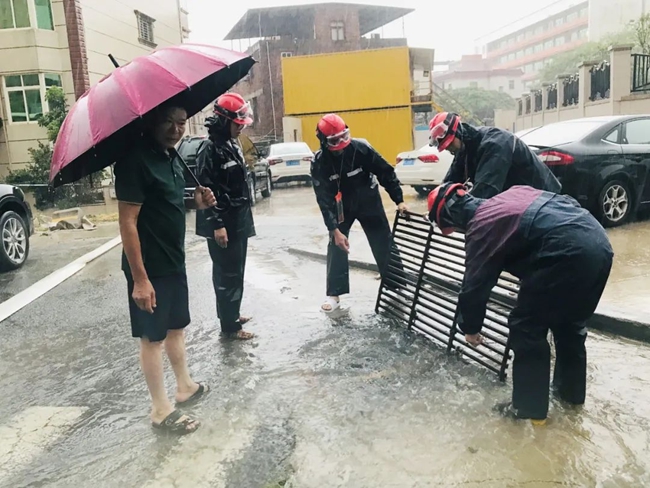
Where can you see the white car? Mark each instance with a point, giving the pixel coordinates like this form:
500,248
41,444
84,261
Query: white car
290,161
423,169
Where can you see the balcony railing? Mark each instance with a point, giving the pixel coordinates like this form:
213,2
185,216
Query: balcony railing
640,72
539,104
527,105
571,91
600,81
551,97
519,108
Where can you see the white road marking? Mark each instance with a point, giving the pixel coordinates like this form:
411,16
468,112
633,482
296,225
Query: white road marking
38,289
200,461
28,434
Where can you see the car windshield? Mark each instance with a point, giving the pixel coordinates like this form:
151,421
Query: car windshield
189,149
287,148
562,133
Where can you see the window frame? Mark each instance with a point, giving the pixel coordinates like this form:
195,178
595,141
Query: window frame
140,19
338,27
49,2
42,88
30,8
623,135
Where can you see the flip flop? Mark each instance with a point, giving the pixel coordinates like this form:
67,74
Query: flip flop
203,389
173,425
334,305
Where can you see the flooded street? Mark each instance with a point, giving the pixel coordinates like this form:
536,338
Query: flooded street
348,401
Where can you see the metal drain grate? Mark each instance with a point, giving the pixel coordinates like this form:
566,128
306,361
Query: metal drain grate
421,289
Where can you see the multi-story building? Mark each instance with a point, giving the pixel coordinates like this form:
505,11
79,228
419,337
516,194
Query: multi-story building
532,42
302,30
66,43
474,71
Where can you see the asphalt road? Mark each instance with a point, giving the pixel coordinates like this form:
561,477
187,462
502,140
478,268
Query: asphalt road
348,401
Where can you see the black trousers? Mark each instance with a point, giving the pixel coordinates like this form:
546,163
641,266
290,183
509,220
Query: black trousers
228,265
559,298
375,226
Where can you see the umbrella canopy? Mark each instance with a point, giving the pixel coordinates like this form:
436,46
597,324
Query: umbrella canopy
101,125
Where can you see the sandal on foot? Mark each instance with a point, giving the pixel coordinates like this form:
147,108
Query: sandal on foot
202,390
177,423
240,335
332,303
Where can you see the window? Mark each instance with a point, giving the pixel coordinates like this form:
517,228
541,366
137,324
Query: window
44,19
559,41
637,132
529,51
520,54
584,12
539,30
612,136
559,22
338,31
511,57
145,29
574,36
520,37
26,95
582,33
548,45
511,84
539,65
14,14
572,16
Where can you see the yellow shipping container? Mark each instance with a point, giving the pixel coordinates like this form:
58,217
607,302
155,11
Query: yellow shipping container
389,131
344,81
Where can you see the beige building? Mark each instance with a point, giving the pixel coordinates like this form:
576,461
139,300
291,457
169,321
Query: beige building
66,43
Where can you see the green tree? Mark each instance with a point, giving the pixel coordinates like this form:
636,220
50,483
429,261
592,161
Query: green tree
37,171
642,33
567,63
476,105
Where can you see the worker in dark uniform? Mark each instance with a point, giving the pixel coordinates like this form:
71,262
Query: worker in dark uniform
221,167
492,159
345,175
563,258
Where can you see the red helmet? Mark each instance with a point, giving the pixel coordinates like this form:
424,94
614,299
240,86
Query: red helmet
333,133
442,130
437,200
233,107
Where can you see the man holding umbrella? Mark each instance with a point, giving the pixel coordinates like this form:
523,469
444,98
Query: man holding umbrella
128,120
149,185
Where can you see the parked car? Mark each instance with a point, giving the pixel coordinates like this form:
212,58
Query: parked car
290,161
423,168
603,162
259,174
16,227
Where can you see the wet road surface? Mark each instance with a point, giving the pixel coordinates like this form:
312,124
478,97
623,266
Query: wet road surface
349,401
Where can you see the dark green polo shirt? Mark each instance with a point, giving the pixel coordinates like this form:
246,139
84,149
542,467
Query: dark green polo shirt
153,178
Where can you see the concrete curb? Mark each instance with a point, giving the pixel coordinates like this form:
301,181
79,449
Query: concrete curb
623,327
38,289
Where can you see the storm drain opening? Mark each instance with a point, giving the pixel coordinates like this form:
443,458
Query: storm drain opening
421,286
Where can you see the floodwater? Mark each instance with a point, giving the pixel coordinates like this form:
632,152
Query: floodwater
314,401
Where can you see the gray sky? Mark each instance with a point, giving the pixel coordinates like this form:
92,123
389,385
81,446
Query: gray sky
449,26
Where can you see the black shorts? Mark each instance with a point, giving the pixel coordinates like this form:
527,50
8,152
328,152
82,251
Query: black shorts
172,308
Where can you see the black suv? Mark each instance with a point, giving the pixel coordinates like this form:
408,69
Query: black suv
16,227
259,172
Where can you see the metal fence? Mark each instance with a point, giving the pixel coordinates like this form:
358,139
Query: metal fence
571,91
600,81
551,94
421,287
538,101
640,72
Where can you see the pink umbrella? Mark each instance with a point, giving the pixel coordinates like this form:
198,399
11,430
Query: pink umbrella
100,126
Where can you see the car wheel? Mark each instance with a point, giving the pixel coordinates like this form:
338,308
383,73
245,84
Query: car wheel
252,192
615,203
14,241
266,193
423,191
